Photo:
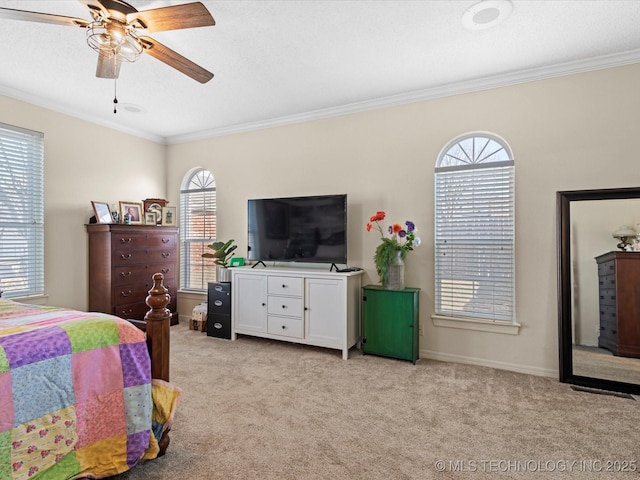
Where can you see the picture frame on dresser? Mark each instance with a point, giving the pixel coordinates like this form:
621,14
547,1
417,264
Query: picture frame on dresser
150,218
102,211
134,209
169,216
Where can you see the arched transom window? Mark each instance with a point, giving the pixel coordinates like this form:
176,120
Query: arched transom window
475,229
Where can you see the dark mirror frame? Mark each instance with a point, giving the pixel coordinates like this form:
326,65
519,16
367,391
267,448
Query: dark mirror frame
565,337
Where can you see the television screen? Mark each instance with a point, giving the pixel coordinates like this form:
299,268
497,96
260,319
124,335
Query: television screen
298,229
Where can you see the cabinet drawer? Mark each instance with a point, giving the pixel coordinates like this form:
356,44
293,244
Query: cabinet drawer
607,296
607,281
127,274
132,241
289,306
607,313
606,268
137,293
287,327
284,286
141,256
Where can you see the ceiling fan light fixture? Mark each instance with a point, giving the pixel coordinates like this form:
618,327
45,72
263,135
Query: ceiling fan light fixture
486,14
112,40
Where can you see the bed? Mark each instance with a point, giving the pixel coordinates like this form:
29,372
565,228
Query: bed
83,394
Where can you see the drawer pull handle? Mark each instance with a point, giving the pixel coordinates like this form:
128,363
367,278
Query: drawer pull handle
284,327
125,257
125,240
126,313
165,270
125,274
126,294
284,306
166,240
263,304
284,286
218,303
614,331
165,254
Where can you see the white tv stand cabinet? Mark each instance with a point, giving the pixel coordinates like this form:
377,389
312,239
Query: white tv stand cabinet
307,306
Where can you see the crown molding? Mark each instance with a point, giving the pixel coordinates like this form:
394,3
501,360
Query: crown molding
457,88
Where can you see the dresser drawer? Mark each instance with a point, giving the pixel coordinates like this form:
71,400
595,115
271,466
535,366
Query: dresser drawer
124,275
607,296
287,327
606,268
284,286
122,257
607,313
137,292
607,281
132,241
289,306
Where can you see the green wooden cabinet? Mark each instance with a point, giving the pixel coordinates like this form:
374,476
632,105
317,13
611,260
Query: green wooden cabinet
390,322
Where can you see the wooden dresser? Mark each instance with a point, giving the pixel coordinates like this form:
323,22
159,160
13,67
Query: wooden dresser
619,296
122,261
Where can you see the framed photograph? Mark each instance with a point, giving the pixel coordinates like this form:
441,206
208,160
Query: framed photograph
102,211
134,210
150,218
169,216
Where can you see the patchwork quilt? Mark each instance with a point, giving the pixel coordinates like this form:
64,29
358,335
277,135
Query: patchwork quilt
75,394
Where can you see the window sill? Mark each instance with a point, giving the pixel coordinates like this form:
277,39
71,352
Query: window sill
476,324
31,299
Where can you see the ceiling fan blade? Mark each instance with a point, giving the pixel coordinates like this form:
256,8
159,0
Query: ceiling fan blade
42,17
189,15
108,67
175,60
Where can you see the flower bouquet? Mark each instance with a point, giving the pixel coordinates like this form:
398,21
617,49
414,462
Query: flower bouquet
394,247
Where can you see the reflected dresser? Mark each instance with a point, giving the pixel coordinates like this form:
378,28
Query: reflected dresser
619,297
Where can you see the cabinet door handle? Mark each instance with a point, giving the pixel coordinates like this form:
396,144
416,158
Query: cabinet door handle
125,257
284,286
264,304
125,240
284,306
284,327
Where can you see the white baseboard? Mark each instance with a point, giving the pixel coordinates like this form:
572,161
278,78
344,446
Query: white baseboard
483,362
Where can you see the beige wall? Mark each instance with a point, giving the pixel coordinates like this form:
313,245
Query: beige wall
83,162
574,132
567,133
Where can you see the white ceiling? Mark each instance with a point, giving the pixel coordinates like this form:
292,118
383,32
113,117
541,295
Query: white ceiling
277,62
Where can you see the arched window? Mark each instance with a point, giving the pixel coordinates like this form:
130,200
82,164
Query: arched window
474,229
197,229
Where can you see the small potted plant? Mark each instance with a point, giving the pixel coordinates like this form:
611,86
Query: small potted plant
222,253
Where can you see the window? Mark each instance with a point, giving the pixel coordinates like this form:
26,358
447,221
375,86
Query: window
21,212
197,229
474,229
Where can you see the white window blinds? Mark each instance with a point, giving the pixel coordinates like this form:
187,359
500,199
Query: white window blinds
21,212
197,230
474,230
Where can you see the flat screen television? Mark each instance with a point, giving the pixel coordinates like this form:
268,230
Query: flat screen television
298,229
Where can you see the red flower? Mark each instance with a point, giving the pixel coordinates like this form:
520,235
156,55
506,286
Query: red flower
368,227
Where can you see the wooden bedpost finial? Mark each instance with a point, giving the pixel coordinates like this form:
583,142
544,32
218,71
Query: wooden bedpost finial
157,327
158,297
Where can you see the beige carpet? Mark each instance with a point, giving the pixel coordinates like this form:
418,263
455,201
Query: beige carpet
257,409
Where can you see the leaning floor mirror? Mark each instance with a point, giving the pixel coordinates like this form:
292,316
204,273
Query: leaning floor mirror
599,288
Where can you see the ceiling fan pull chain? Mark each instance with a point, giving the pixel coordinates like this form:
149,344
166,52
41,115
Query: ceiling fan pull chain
115,96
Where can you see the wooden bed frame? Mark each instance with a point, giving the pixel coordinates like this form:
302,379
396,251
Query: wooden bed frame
156,325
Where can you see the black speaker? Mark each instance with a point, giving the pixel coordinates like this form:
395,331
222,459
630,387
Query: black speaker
219,310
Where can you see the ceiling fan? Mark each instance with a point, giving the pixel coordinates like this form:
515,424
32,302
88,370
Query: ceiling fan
115,32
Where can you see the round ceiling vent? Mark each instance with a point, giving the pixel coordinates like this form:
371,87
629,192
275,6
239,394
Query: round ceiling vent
486,14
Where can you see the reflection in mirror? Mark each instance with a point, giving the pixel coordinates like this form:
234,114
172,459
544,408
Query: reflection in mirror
596,334
599,290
